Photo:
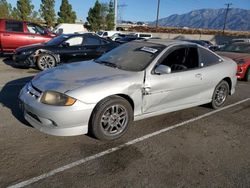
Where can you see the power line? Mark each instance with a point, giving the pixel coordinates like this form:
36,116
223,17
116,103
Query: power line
225,20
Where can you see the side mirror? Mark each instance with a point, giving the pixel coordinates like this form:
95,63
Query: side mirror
65,44
162,69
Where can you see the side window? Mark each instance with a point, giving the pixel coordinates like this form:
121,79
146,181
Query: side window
207,58
91,41
105,34
35,29
182,59
75,41
14,26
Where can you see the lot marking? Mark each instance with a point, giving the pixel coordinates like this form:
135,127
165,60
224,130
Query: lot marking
111,150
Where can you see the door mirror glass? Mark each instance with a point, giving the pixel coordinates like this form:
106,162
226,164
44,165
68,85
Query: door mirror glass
162,69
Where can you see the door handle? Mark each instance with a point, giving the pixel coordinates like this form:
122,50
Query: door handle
6,35
146,90
30,36
199,75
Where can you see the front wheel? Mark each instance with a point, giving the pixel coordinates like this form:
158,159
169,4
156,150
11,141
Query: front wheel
220,95
111,118
46,61
247,75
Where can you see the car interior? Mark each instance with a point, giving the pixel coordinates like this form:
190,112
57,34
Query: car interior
182,59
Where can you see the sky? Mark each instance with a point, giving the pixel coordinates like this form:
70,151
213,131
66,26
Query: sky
145,10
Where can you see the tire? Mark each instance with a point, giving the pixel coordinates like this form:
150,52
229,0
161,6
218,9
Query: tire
46,61
111,118
247,75
220,95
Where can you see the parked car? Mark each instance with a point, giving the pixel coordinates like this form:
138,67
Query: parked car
136,80
142,35
204,43
106,34
66,28
241,40
63,49
128,38
14,34
240,53
117,36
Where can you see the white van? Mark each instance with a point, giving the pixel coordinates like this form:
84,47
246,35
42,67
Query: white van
65,28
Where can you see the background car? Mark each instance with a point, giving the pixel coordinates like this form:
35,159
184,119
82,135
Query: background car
14,34
240,53
204,43
128,38
136,80
63,49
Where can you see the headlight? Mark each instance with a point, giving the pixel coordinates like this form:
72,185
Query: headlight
57,99
27,52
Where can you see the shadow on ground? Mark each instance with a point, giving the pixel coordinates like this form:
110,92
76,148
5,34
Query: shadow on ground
9,97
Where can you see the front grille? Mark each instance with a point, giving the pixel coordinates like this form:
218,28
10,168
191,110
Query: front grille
33,91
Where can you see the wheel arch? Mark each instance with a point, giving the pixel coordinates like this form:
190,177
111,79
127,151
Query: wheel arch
229,81
43,51
123,96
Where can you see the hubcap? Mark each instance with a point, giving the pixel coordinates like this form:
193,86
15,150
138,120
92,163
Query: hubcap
47,62
221,95
114,120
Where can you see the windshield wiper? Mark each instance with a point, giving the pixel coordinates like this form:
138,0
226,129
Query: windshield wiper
107,63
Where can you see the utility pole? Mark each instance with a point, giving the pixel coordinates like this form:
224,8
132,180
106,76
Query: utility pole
157,17
225,20
115,17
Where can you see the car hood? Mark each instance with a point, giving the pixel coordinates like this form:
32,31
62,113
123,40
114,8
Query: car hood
235,56
30,47
78,75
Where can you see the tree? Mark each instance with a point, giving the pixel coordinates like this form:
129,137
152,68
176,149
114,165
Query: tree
94,17
66,14
47,10
24,9
5,9
14,14
110,18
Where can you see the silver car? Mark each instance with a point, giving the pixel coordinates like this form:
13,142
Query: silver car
134,81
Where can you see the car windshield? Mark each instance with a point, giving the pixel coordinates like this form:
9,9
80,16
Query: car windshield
57,40
133,56
236,47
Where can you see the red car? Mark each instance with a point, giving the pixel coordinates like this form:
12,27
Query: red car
14,34
240,53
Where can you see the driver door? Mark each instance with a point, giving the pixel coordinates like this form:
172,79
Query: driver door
71,49
178,89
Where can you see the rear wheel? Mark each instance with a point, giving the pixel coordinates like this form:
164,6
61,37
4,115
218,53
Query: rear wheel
247,75
220,95
111,118
46,61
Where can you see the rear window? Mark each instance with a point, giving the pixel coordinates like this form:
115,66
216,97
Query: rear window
207,58
91,41
14,26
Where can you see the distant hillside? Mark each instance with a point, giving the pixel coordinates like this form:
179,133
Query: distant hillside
238,19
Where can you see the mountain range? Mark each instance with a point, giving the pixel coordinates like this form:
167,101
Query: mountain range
237,19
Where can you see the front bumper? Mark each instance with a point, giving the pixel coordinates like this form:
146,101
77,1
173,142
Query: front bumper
24,60
55,120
